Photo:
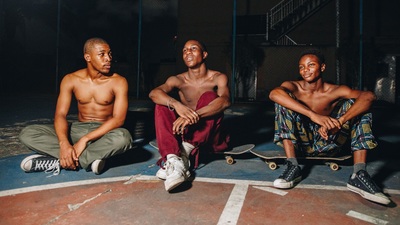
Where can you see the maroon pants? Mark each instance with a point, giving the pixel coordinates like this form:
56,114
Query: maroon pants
206,134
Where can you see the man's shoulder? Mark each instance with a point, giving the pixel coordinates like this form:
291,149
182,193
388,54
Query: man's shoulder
117,76
293,81
335,87
76,74
177,78
292,85
217,75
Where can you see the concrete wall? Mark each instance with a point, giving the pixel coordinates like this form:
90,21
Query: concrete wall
281,64
211,22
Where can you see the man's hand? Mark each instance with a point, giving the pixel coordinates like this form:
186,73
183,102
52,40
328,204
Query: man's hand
68,159
178,127
325,121
79,147
325,131
187,113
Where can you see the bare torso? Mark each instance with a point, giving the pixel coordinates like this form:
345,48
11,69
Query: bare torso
321,100
190,90
95,97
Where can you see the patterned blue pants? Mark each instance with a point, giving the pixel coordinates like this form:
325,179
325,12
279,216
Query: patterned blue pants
308,142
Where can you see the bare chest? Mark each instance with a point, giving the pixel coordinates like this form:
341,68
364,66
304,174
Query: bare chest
321,104
99,94
190,93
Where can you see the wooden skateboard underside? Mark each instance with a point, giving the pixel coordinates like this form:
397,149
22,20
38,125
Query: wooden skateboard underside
237,151
271,156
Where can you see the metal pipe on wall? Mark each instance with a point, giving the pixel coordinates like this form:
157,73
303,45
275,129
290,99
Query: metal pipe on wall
337,5
139,49
58,45
360,76
233,52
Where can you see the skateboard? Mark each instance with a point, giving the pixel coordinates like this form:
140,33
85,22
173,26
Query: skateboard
238,150
153,144
270,157
228,154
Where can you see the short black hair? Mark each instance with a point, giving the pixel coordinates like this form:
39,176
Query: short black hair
314,51
91,42
202,45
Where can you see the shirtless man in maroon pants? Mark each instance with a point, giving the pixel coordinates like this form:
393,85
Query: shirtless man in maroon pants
192,121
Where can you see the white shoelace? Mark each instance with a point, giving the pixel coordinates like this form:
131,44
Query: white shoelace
49,166
169,167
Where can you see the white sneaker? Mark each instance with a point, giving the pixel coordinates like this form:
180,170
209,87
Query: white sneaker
185,153
98,166
175,172
162,173
187,147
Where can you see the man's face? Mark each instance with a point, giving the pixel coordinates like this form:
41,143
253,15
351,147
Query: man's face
309,68
192,53
99,57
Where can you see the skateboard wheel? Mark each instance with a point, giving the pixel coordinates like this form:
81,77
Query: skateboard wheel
229,160
272,165
334,166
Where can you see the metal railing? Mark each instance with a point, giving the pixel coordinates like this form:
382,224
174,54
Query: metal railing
283,9
290,13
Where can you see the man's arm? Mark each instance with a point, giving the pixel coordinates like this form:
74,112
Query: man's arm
363,102
67,154
120,109
281,96
216,106
159,95
222,102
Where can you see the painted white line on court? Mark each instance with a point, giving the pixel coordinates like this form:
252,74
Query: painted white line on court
147,177
272,190
233,207
233,181
366,218
62,185
269,183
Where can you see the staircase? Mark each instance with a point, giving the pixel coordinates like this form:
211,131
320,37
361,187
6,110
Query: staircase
286,16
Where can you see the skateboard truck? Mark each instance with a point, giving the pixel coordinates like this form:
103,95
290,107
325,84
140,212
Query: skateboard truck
237,151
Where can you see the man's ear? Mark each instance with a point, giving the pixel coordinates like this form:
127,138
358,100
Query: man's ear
87,57
323,67
205,54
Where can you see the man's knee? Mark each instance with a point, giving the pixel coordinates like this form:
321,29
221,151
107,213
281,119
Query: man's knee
282,112
121,138
28,133
206,98
343,106
279,109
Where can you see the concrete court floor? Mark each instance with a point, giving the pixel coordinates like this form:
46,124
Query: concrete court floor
218,194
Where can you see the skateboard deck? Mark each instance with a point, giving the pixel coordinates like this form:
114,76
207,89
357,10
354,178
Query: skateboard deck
236,151
270,157
228,154
153,144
